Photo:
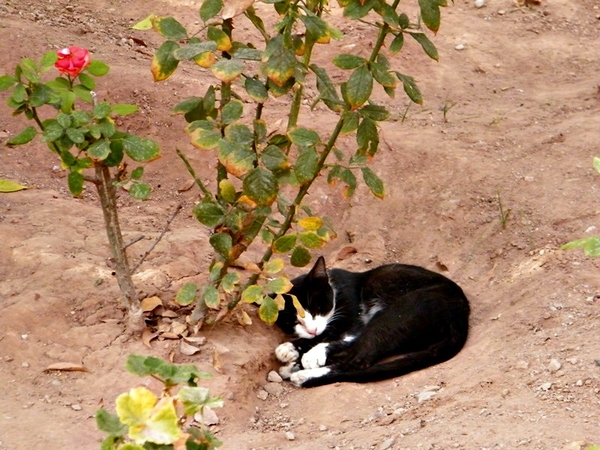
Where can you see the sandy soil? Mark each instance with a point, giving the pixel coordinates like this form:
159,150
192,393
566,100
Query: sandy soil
522,131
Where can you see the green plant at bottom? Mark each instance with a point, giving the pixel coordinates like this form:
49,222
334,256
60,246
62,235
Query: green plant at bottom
591,245
145,421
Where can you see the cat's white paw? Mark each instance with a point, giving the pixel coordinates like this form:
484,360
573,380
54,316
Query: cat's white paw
316,357
287,353
286,371
302,376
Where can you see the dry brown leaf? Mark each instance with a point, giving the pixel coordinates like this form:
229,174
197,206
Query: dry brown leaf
188,349
186,186
195,340
234,8
169,335
179,328
150,303
147,336
346,252
216,361
440,265
66,367
243,318
169,313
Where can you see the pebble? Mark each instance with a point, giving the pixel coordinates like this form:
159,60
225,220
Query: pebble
459,47
290,436
385,445
322,427
275,389
25,365
572,360
262,394
207,416
545,386
554,365
579,383
425,395
274,377
522,365
479,3
76,407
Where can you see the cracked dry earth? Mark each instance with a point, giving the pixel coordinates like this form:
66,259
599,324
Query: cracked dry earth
522,129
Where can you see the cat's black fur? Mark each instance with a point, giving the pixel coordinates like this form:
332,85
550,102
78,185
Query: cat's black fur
402,318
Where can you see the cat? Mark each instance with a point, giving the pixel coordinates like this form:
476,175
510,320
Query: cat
369,326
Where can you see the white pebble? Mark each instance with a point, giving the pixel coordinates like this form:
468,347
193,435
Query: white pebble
554,365
322,427
290,436
425,395
76,407
479,3
274,377
459,47
262,394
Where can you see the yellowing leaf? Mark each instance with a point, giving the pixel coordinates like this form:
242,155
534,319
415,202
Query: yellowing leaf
205,60
311,223
298,306
268,311
280,301
280,285
274,266
252,294
10,186
234,8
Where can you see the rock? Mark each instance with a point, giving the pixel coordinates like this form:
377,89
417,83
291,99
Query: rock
76,407
545,386
575,445
572,360
554,365
387,444
579,383
274,377
522,365
290,436
479,3
207,417
322,427
425,395
262,394
275,389
459,47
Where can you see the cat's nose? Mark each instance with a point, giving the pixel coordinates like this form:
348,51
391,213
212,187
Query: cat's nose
312,331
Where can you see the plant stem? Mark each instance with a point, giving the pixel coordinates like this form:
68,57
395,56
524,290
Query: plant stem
129,297
192,172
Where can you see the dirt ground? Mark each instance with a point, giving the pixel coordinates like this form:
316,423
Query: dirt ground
523,125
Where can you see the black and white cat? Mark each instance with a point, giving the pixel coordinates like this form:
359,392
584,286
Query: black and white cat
370,326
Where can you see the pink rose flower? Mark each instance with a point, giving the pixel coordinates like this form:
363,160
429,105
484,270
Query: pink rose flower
72,60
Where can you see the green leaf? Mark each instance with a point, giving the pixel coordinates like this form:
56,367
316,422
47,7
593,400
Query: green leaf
312,240
374,112
164,62
169,28
596,163
247,53
140,191
23,137
347,61
430,13
40,95
411,88
268,310
99,150
350,122
140,149
123,109
10,186
261,186
279,285
285,243
300,257
210,8
326,88
227,191
252,294
101,110
279,61
210,296
591,245
75,182
230,281
87,81
209,214
382,75
191,51
221,38
194,398
110,423
232,111
187,105
403,21
304,137
427,45
83,93
222,244
316,28
187,294
76,135
204,139
359,87
97,68
227,70
397,43
357,9
274,266
373,182
237,159
306,166
274,159
256,90
6,82
29,70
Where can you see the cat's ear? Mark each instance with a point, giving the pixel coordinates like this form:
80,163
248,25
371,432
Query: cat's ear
319,270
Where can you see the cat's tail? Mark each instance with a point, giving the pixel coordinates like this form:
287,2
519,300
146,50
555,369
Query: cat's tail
409,362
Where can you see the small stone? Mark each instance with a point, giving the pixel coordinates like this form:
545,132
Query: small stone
545,386
522,365
8,358
385,445
207,416
290,436
425,395
76,407
262,394
275,389
554,365
55,382
579,383
459,47
479,3
572,360
322,427
274,377
501,12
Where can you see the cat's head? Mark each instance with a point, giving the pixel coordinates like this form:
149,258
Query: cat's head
316,296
